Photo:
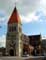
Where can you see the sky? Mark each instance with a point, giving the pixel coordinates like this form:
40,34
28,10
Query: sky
32,13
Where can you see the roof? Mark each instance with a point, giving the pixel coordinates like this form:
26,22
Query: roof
14,18
34,35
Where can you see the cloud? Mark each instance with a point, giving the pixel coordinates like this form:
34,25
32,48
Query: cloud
27,6
36,16
2,41
30,17
26,9
3,17
24,6
43,5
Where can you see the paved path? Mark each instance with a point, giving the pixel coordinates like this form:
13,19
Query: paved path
22,58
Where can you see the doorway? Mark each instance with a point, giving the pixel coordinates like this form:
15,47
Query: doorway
11,52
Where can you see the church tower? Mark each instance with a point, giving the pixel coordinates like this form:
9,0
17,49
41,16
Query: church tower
14,35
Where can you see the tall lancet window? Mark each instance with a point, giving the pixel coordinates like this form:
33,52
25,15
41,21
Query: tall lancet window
13,28
10,28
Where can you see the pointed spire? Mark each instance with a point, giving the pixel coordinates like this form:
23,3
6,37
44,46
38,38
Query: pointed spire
15,10
14,17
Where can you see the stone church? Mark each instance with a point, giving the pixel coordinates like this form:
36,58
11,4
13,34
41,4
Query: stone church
14,42
18,44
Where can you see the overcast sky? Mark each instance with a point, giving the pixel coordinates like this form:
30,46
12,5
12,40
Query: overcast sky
32,13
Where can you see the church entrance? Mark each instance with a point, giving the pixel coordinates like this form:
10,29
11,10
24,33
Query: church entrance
11,52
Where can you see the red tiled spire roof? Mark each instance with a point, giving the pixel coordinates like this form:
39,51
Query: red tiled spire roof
14,18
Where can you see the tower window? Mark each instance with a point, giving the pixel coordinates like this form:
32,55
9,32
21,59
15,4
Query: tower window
14,28
11,28
8,29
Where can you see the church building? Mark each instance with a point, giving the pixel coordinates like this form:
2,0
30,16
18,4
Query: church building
17,43
14,42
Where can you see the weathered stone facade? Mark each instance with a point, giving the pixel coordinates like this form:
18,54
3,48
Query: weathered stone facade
35,41
14,33
2,51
